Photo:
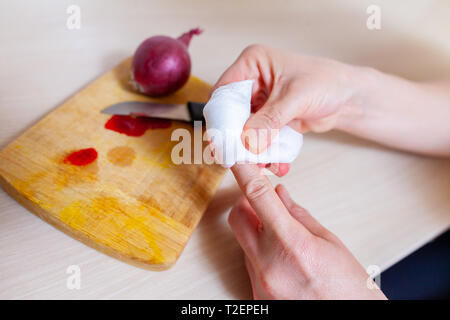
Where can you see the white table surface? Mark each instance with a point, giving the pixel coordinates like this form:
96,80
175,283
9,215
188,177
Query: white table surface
383,204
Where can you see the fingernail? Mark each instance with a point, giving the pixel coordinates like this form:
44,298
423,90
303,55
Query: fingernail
256,140
283,169
279,169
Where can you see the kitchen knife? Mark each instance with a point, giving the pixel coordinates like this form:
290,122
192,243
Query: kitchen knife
189,112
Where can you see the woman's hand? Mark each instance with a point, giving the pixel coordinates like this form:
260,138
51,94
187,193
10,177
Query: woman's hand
316,94
289,255
305,93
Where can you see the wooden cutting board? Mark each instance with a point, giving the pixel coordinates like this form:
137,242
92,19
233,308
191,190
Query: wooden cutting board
132,202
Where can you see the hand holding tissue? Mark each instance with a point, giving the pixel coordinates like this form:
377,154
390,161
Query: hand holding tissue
226,114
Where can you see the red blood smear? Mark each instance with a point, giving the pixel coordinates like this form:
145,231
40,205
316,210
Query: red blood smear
82,157
135,126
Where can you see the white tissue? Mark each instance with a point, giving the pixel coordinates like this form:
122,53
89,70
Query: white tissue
226,113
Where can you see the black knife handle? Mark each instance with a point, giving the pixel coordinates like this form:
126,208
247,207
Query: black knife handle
196,110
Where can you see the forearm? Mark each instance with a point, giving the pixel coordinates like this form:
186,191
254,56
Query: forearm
399,113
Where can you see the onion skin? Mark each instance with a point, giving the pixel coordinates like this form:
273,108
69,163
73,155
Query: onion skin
162,65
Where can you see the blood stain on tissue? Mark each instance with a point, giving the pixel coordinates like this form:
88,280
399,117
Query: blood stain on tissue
135,126
82,157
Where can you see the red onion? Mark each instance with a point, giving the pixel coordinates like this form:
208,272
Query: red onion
161,65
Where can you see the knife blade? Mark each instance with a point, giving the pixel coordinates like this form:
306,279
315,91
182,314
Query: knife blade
189,112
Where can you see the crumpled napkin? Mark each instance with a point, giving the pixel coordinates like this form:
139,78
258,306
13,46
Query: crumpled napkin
226,113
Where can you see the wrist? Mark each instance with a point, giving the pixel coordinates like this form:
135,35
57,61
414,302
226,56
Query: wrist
356,108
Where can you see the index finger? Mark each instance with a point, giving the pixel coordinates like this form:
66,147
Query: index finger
246,66
262,197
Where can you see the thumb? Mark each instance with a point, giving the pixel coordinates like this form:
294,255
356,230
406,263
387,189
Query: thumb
262,197
263,126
